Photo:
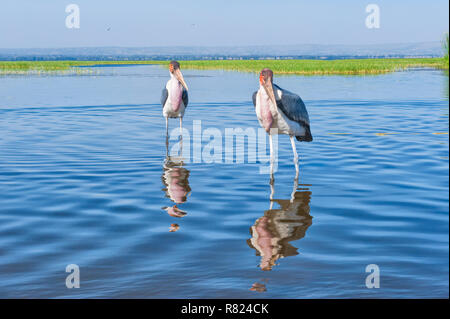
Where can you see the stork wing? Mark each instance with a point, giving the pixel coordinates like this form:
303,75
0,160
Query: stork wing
293,107
164,95
185,97
254,98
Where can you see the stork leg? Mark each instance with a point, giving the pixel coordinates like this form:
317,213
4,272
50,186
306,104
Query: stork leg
167,145
167,137
272,191
271,156
294,150
294,190
181,137
167,126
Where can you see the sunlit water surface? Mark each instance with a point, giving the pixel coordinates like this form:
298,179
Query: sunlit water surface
84,180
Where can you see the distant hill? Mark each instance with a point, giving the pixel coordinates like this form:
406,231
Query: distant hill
304,51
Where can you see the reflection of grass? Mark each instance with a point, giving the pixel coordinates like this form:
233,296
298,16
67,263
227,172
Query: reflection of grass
384,134
304,67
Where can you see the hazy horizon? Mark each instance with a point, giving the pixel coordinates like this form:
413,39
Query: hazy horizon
31,24
230,46
321,51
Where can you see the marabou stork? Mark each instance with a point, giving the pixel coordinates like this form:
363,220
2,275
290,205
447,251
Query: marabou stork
281,112
174,98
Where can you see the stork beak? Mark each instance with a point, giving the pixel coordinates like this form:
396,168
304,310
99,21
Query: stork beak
180,78
269,89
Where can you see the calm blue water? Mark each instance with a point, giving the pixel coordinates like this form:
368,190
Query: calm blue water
84,180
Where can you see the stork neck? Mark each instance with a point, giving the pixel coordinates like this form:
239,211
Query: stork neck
173,79
264,92
271,84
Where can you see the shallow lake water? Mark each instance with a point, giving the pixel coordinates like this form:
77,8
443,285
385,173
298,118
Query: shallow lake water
85,180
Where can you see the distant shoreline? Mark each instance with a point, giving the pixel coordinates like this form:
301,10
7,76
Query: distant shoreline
294,67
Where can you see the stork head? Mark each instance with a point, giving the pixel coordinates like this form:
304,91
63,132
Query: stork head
266,81
174,68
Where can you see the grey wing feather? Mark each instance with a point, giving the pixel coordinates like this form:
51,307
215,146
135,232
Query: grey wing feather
185,98
164,95
254,98
293,107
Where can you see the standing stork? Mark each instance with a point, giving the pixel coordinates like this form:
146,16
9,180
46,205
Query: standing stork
174,98
282,111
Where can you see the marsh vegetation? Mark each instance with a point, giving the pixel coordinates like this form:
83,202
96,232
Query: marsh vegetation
296,67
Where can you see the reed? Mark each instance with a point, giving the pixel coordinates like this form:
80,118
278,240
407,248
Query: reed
299,67
445,47
320,67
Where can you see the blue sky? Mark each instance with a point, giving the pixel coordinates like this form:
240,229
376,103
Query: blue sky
32,23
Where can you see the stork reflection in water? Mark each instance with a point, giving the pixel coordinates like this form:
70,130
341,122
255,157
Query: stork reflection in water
175,178
273,232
